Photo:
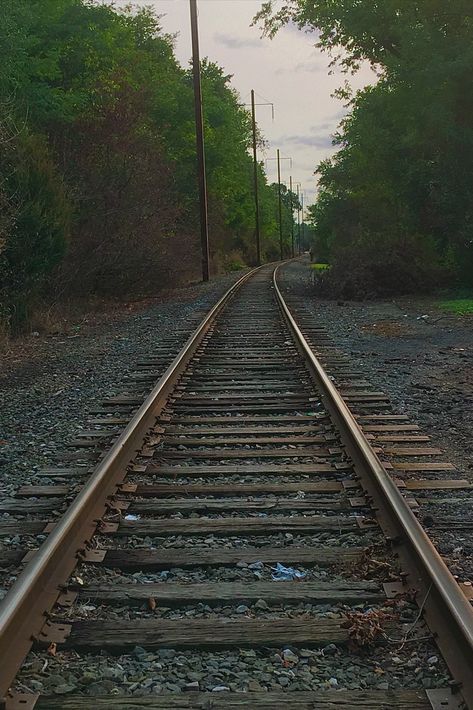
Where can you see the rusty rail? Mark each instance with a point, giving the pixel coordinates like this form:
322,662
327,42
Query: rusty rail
446,610
26,607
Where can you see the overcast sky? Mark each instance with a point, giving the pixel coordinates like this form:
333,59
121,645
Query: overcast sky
288,71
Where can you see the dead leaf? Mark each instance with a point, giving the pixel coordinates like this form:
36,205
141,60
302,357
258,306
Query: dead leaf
364,628
152,603
52,649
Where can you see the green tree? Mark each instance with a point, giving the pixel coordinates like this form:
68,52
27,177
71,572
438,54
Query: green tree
399,182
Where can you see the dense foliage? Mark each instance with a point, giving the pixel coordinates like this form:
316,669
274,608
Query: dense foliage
395,210
98,190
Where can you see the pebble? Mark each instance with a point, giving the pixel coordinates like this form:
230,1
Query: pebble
329,650
194,685
261,604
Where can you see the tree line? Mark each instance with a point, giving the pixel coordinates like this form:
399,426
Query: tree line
98,189
395,208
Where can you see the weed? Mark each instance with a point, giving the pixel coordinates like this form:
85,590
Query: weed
458,306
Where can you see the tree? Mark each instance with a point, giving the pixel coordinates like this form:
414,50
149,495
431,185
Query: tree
401,173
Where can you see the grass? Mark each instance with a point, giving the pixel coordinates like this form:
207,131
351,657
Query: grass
320,267
459,306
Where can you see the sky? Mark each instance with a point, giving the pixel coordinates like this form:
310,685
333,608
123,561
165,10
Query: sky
288,71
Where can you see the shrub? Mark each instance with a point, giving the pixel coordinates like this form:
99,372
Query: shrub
380,265
34,224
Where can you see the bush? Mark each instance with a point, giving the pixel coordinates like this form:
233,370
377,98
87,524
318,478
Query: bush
380,265
35,222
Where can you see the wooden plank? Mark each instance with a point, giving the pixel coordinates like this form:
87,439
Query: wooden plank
365,398
422,466
22,527
247,386
390,427
202,505
231,420
39,491
63,472
229,439
9,557
408,451
451,523
383,417
363,393
245,470
24,506
235,430
400,438
223,489
147,559
222,633
108,420
250,397
216,406
166,594
301,452
430,485
300,700
230,525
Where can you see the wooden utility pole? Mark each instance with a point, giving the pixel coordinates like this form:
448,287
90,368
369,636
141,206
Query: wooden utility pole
298,220
292,216
280,207
199,134
303,226
255,179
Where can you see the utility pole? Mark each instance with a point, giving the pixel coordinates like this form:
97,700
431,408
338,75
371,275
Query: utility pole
199,134
298,220
255,179
278,158
292,216
303,224
280,207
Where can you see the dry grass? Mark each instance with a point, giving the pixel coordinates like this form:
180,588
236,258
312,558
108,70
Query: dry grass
387,329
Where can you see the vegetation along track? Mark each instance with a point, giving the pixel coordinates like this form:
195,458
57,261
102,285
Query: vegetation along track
240,534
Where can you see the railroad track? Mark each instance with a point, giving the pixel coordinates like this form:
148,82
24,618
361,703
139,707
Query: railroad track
239,544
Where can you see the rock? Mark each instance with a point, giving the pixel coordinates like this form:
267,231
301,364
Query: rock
289,656
220,688
194,685
433,660
139,651
329,650
261,604
333,682
242,609
254,686
87,678
256,566
65,688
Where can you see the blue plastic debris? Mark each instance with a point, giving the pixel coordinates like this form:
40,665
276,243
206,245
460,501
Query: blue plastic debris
286,574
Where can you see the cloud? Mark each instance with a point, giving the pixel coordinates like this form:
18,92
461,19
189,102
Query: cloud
236,42
312,141
310,67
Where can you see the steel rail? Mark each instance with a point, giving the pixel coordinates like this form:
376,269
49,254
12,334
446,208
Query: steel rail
446,610
26,608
